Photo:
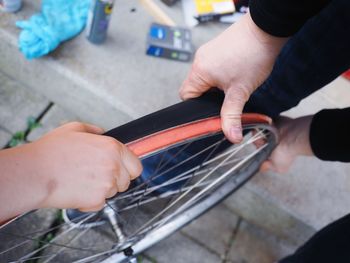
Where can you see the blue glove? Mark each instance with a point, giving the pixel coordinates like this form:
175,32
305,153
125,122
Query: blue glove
59,20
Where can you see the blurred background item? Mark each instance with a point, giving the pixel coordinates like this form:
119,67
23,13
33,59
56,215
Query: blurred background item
10,5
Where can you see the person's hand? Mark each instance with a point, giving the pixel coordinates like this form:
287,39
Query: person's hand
73,166
294,141
83,167
237,61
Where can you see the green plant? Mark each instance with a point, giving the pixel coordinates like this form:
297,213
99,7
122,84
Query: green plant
20,136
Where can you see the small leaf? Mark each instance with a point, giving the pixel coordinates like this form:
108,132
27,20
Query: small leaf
20,136
32,123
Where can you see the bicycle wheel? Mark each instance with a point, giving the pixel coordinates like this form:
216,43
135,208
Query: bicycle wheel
189,167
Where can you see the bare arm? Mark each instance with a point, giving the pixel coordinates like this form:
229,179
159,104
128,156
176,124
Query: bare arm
71,167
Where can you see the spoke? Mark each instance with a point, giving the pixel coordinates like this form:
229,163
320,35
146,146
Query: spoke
87,259
56,237
173,167
63,248
184,175
158,168
197,196
162,196
241,146
168,170
28,237
223,176
154,175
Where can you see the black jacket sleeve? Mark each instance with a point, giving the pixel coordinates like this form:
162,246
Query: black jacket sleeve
330,135
283,18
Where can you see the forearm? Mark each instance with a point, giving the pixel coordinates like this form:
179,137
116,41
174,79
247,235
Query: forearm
283,18
21,184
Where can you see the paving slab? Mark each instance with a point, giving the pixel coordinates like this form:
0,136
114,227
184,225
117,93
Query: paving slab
17,103
180,249
54,118
5,137
214,229
108,84
262,211
253,245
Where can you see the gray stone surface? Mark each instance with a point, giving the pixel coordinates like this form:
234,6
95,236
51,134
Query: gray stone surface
107,84
315,192
55,117
262,211
17,103
214,229
5,137
180,249
253,245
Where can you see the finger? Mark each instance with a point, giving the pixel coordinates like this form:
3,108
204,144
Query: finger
112,192
123,179
93,208
82,127
131,163
193,86
231,113
265,166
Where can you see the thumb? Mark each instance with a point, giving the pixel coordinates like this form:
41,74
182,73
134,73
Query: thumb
231,113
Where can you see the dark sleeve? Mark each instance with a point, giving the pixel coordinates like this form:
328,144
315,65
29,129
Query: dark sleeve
283,18
330,135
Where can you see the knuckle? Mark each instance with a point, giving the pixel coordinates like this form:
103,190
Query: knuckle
199,64
109,183
237,95
113,145
75,125
123,185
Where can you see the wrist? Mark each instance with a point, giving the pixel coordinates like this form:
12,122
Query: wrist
22,183
300,129
272,43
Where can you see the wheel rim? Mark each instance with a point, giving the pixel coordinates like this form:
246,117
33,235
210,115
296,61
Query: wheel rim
163,186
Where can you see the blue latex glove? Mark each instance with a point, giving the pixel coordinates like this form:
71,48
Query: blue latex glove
59,20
